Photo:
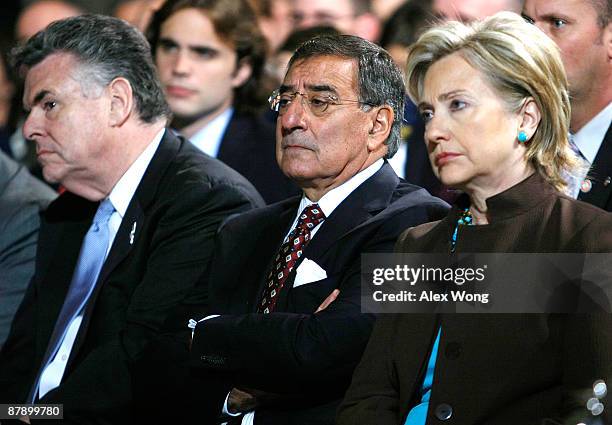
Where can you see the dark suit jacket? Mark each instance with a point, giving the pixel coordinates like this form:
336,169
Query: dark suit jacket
502,369
248,146
178,205
22,197
306,357
601,176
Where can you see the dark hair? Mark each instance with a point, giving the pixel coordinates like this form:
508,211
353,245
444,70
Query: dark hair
380,80
407,23
234,22
300,36
110,48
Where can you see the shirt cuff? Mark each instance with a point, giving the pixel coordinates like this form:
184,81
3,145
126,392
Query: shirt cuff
226,407
193,323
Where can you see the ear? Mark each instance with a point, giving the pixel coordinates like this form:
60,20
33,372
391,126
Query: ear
380,127
121,101
607,41
529,117
242,74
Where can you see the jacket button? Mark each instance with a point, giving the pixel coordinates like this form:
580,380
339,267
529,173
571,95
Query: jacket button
453,350
443,412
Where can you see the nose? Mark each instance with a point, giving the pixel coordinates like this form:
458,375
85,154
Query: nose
294,117
32,128
182,63
436,132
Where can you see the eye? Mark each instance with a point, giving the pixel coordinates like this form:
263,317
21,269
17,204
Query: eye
205,52
317,101
284,101
558,23
457,104
49,105
426,115
166,46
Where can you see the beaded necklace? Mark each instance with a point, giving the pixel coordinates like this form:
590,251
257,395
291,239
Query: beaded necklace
465,219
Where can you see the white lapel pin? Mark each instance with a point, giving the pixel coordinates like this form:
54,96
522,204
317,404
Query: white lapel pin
132,233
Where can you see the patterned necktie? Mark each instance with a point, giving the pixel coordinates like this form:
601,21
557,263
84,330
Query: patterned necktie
91,259
288,255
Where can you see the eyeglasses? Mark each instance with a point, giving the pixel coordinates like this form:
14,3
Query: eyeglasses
317,103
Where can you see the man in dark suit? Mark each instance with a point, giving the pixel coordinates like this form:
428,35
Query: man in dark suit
583,31
285,279
22,197
131,234
210,57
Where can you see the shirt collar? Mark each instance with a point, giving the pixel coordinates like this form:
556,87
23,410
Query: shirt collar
590,137
124,189
334,197
208,138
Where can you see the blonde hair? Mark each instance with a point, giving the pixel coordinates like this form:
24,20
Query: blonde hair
519,61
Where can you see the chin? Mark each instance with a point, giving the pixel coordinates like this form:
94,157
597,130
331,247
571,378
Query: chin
452,179
50,176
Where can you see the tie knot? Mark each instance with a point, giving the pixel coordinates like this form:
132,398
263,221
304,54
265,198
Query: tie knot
105,210
311,216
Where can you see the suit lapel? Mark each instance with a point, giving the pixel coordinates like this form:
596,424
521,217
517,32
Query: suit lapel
601,176
129,230
358,208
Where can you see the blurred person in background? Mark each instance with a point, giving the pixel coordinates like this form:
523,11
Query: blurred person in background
210,56
470,10
22,198
354,17
137,12
274,18
495,103
583,31
38,14
10,105
385,8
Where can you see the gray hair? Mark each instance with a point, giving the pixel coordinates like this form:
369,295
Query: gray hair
106,48
379,79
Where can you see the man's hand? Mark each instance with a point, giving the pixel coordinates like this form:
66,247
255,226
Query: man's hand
241,401
330,299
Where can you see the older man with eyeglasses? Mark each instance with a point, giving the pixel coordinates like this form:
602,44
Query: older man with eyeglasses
285,282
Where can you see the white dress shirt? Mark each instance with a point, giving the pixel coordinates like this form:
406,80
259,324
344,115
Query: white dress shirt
120,197
208,139
328,203
398,161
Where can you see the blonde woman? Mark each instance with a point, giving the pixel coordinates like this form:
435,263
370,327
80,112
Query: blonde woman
494,98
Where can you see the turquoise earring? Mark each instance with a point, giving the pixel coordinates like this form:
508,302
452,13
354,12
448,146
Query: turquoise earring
522,136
